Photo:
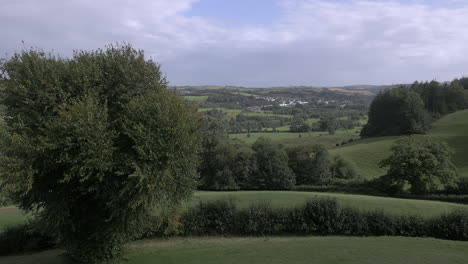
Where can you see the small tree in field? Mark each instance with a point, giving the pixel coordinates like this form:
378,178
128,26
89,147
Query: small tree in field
93,143
422,162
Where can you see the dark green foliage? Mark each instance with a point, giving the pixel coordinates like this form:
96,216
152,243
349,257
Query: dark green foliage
298,124
342,168
261,219
421,162
4,199
315,217
328,124
406,109
233,165
310,164
225,164
273,172
214,218
254,123
452,226
442,98
92,143
26,237
398,111
313,165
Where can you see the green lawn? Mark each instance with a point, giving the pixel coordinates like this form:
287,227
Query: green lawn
279,250
11,215
367,153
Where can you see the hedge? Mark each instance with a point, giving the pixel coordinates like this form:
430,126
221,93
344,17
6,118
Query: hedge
320,216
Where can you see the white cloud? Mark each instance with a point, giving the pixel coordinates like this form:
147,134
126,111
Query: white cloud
314,42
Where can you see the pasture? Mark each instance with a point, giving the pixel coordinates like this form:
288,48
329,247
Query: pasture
367,153
196,99
278,250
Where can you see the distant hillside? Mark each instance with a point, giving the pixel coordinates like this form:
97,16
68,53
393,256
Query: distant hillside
367,153
370,88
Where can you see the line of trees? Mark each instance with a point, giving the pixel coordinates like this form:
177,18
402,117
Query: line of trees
410,109
325,124
232,164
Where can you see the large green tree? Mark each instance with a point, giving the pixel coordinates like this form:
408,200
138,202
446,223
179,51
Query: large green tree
91,144
273,172
310,163
397,111
420,162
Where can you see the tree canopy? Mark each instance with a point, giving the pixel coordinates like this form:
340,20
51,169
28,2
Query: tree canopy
422,162
93,143
273,172
397,111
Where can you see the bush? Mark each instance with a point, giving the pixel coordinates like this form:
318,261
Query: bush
25,238
322,216
213,218
315,217
453,226
261,219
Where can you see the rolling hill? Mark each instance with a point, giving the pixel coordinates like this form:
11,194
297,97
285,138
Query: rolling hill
367,153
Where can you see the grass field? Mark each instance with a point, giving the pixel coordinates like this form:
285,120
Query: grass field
197,99
361,202
367,153
11,215
234,112
288,138
279,250
266,113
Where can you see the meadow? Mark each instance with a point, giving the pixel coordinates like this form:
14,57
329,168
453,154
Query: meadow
278,250
292,139
233,112
196,99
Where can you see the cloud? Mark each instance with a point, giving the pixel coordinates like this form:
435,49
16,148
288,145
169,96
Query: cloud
313,42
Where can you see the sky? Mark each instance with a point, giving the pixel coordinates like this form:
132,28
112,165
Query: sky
257,43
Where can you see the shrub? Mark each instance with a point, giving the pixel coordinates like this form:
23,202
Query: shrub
25,237
316,217
453,226
261,219
212,218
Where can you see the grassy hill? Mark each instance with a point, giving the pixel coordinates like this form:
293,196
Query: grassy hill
278,250
367,153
